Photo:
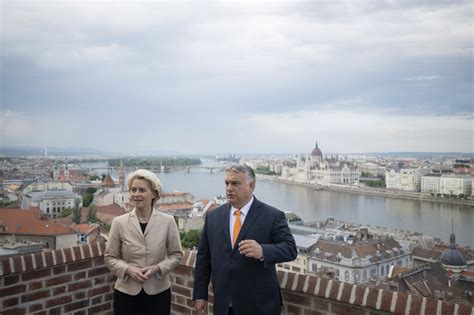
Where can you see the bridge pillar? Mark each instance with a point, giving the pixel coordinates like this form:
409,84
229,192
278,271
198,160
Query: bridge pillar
211,169
162,169
187,169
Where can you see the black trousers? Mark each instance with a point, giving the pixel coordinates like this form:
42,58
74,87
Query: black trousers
142,304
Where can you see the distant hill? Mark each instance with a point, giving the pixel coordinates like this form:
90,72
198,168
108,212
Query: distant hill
52,151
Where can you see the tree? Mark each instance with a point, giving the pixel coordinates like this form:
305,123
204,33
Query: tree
91,190
66,212
94,177
88,196
190,239
76,212
91,215
87,199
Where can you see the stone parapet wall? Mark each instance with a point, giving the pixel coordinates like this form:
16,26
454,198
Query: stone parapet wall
76,281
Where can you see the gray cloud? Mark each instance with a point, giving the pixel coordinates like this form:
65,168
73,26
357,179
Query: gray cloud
188,72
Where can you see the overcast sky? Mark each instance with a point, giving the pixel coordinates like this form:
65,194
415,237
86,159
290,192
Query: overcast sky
266,77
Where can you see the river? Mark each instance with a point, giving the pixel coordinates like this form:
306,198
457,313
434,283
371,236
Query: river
430,218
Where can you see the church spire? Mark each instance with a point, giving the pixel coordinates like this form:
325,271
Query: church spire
122,176
452,237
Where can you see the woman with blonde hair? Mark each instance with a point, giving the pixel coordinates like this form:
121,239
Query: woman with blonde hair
143,247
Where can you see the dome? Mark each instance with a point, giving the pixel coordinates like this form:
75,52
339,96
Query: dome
452,256
316,151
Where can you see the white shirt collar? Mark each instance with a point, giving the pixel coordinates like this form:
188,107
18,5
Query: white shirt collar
245,209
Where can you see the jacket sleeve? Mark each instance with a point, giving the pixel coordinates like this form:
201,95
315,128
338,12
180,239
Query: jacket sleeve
113,253
202,272
283,246
174,253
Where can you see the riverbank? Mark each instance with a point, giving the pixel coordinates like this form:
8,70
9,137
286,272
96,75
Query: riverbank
373,191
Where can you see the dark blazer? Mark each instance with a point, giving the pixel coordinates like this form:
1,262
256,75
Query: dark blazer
250,284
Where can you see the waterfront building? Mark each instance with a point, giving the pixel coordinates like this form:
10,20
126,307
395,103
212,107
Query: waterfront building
430,183
316,170
456,185
344,173
404,179
372,169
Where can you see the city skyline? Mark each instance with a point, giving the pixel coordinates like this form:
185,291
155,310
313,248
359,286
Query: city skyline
270,77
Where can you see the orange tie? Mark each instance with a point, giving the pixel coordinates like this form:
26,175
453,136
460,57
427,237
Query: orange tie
237,226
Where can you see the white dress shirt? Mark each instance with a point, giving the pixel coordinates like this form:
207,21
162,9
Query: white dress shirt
244,210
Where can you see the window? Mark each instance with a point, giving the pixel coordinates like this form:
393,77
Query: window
346,275
364,276
82,238
314,267
382,271
356,276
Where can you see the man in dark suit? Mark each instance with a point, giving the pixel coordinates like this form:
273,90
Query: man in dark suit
241,242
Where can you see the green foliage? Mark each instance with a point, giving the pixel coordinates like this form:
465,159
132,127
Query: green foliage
94,177
12,204
91,215
265,171
190,239
87,199
76,212
375,183
91,190
66,212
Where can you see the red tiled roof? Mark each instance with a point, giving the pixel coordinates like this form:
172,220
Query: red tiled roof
113,209
108,181
29,222
204,202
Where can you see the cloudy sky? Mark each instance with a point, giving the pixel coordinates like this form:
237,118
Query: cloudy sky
214,76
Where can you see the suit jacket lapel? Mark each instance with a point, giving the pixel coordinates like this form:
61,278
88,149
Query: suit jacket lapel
135,223
249,220
225,217
151,222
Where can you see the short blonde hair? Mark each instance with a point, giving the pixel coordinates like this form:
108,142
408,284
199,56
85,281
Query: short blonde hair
151,178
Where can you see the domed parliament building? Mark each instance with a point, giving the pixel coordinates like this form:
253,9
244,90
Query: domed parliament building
318,170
